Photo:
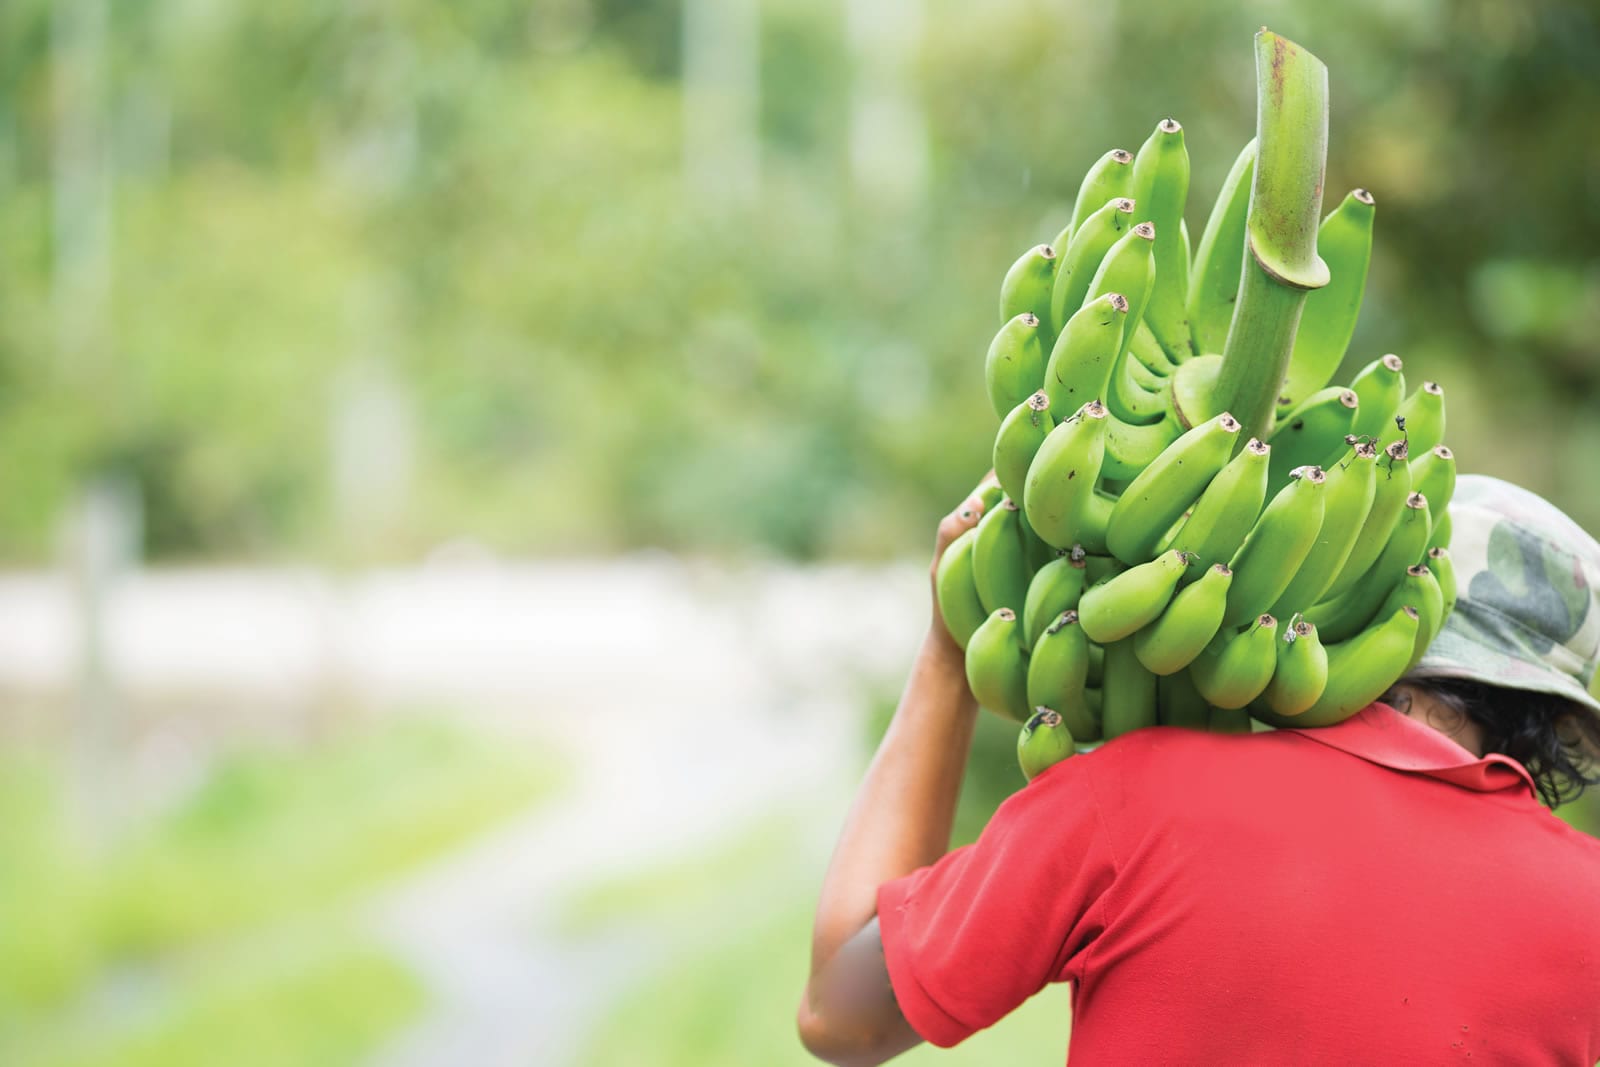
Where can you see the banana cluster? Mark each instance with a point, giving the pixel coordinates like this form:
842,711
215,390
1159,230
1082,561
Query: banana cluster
1144,560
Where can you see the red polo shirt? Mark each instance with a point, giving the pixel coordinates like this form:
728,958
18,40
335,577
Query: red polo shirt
1367,893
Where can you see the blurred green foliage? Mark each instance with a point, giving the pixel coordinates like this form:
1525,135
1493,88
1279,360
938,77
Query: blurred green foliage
332,1010
489,201
266,837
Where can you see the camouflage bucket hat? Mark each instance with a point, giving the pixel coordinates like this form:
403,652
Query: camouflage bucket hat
1528,579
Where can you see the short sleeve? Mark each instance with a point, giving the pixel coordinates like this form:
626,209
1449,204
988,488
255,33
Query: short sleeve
970,938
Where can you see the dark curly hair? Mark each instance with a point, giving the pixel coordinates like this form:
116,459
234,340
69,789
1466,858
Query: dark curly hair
1554,738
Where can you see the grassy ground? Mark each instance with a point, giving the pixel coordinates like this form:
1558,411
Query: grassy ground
228,913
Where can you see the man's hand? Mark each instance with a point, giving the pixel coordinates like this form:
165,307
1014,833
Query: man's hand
952,526
900,821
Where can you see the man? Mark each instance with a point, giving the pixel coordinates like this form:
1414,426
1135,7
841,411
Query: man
1389,890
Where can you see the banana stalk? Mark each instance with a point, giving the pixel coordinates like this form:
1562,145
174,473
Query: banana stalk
1281,231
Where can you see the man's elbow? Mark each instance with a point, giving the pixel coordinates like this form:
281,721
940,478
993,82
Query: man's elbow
832,1044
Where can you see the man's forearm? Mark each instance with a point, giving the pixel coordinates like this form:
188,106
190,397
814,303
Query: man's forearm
903,811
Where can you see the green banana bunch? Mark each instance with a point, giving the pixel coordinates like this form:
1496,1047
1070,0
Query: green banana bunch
1062,505
1186,625
1275,548
1058,669
1158,496
1155,549
1026,288
1000,559
1022,431
1235,668
1301,673
1117,607
997,667
1044,742
1328,319
957,591
1055,588
1015,363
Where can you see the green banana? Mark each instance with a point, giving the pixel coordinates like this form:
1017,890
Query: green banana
1227,509
1055,588
1109,177
1022,431
1085,354
1179,703
1146,352
1187,624
1359,670
1393,485
1312,434
1130,269
1134,368
999,559
1131,447
1347,497
1034,550
1015,363
1091,240
956,590
1097,568
1444,572
1044,742
1422,414
1381,386
1158,496
1160,188
1131,399
1276,546
1058,668
1027,286
1421,590
1440,538
1235,668
1117,607
1433,474
1340,618
1219,261
1328,318
1301,673
1060,498
1128,695
997,667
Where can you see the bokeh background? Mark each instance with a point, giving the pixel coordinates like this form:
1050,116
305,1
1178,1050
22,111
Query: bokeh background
466,470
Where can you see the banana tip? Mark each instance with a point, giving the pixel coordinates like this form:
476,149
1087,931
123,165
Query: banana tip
1121,155
1363,195
1393,362
1147,230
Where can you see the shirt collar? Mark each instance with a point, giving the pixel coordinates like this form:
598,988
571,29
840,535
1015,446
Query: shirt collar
1381,735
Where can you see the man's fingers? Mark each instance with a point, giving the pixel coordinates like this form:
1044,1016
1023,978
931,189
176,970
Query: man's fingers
954,524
